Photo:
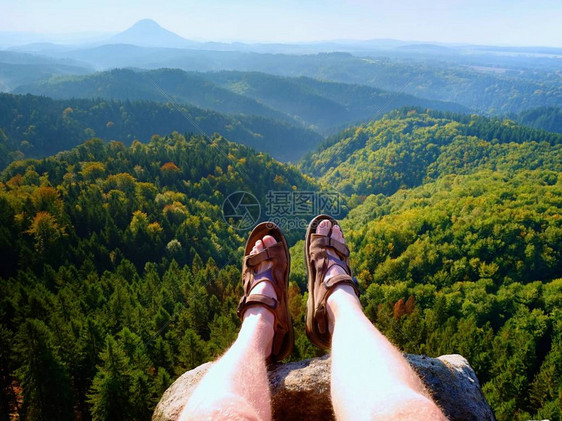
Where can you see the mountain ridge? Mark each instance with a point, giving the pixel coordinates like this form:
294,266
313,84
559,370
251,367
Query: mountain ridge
320,105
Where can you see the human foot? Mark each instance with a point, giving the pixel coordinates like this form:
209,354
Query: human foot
327,259
263,288
265,276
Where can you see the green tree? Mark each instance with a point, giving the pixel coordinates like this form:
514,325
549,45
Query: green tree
44,377
109,394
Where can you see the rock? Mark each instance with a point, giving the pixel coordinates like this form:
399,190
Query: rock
449,378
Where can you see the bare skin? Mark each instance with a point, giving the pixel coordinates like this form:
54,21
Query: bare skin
237,387
370,380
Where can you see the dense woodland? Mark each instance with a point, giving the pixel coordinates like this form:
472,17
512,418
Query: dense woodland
546,118
32,126
127,249
119,272
410,146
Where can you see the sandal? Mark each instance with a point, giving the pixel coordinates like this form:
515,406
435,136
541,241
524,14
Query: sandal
278,276
318,263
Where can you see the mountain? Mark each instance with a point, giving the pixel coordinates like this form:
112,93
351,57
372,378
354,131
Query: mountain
148,33
411,146
34,126
320,105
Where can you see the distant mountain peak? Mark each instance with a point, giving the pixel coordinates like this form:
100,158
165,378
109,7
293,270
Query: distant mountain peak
148,33
146,21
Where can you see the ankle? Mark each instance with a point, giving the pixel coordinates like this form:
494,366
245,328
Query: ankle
257,328
343,297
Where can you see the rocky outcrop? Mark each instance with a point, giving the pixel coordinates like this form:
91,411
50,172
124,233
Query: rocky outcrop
449,378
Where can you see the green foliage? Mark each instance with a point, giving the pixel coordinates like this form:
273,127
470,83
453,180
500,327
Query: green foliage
478,257
545,118
34,126
409,147
44,376
128,276
121,272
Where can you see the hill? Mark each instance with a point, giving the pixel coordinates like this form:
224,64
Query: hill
163,85
199,169
322,106
112,226
18,69
410,146
38,126
472,264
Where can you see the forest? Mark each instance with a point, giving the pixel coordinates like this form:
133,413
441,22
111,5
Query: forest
35,127
410,146
119,272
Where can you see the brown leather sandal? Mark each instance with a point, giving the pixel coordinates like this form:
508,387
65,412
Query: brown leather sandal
278,276
318,262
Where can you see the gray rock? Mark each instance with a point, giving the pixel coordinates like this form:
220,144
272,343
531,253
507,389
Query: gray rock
301,390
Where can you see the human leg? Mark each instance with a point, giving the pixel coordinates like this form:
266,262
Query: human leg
236,387
370,377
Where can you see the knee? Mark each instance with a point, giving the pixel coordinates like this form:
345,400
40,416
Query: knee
225,408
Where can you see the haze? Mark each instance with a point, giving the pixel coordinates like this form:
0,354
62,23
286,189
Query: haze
500,22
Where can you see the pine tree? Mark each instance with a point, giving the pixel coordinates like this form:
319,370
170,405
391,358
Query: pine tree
109,394
44,377
192,351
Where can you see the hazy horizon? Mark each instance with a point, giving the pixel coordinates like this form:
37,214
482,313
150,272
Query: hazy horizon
504,23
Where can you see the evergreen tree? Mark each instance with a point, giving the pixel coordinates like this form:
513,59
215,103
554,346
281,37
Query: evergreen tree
109,394
44,377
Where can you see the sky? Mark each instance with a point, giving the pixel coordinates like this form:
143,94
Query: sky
492,22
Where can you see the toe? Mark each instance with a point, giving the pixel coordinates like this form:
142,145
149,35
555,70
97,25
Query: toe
268,241
324,227
337,234
260,246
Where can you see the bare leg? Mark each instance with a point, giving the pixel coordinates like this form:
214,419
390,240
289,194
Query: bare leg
236,387
370,377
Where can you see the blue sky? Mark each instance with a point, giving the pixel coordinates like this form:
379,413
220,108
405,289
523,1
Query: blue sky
498,22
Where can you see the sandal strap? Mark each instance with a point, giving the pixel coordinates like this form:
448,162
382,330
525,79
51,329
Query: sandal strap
251,279
325,289
255,299
320,241
324,261
268,253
